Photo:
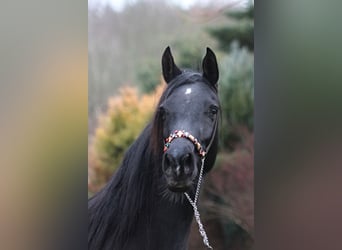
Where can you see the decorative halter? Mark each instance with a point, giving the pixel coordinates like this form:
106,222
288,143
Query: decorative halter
187,135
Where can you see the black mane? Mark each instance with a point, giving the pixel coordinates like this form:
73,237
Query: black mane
129,194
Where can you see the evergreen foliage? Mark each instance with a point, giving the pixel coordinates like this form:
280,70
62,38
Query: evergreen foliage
237,87
240,28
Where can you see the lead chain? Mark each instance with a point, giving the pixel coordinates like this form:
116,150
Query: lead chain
194,205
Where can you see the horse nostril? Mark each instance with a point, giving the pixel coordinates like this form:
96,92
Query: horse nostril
167,163
187,160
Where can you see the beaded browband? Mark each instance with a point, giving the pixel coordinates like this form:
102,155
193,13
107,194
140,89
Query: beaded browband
187,135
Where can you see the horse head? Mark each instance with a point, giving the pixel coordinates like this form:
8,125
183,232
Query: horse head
188,113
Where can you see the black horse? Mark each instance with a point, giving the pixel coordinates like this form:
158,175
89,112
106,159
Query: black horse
143,206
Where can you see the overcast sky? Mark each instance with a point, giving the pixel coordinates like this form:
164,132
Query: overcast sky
119,4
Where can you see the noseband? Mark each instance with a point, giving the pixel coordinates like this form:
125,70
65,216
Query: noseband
187,135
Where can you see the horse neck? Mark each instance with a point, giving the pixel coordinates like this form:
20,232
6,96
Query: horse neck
170,223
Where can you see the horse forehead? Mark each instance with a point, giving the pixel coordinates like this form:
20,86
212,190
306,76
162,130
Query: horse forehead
193,93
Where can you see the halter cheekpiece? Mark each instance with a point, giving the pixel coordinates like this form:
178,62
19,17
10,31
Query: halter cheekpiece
187,135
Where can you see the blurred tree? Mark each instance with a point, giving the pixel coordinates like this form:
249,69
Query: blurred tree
240,28
189,53
148,76
126,117
237,86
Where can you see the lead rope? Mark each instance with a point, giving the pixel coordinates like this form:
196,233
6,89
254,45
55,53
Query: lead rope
194,205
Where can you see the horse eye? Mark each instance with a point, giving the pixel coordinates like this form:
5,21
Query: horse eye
213,110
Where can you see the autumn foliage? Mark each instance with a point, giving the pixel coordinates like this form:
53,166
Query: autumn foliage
125,118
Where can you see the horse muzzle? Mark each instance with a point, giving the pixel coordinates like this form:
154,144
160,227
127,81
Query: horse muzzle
179,165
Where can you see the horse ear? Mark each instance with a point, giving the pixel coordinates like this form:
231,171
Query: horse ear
170,70
210,68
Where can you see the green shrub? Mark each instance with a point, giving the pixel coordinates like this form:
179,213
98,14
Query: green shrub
236,91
